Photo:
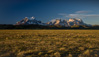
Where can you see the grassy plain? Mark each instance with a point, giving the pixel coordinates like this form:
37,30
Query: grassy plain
49,43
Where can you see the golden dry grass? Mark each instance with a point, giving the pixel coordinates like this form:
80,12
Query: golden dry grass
49,43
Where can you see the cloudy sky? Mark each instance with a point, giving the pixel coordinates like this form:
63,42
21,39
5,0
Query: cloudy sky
12,11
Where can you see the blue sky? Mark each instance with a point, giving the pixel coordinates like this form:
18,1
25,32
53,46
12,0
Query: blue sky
12,11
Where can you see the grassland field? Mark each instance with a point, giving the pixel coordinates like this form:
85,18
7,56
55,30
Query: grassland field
49,43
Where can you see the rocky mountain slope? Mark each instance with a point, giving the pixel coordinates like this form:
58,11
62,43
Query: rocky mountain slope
69,22
66,23
27,21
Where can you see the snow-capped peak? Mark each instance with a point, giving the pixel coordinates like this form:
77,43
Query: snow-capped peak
27,21
70,22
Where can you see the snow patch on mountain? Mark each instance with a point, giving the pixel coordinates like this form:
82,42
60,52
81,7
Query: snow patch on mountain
27,21
66,23
70,22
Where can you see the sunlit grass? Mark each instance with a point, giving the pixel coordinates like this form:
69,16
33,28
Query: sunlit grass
49,43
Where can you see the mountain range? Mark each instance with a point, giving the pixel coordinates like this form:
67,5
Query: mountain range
65,23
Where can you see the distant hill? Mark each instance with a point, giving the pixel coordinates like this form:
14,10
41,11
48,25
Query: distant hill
35,26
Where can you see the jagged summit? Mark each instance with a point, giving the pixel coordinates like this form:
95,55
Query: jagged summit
74,19
70,22
27,21
66,23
